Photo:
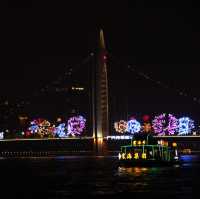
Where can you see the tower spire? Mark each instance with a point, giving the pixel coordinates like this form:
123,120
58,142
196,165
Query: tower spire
102,41
101,94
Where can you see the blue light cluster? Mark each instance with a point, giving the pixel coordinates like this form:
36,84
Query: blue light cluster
34,128
133,126
185,125
60,130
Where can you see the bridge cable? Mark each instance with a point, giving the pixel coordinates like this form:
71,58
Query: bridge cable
134,69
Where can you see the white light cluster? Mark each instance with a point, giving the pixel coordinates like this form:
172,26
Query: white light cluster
118,137
1,135
185,126
77,88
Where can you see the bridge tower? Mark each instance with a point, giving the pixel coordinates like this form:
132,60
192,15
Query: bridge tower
100,96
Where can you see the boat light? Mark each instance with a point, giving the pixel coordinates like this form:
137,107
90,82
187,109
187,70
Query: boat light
136,156
123,156
174,144
119,156
144,156
129,156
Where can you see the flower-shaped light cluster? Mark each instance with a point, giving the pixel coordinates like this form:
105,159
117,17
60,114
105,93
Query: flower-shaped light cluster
121,126
60,130
34,128
133,126
165,124
76,125
185,125
40,126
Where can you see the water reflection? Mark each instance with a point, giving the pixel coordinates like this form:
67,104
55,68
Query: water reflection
143,171
135,171
71,175
189,158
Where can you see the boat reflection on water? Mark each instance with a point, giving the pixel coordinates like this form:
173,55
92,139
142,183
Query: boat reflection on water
145,180
136,171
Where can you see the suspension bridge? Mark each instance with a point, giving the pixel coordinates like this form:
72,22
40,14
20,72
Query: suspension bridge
98,142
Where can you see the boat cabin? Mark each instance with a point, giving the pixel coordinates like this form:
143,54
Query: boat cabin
146,151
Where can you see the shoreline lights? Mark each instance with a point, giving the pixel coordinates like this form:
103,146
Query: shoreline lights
73,127
163,124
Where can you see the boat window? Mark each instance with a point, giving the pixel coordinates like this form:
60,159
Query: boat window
137,150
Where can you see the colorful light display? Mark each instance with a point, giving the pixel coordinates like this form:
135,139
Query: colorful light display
121,126
60,130
34,128
76,125
172,124
185,125
40,126
133,126
165,124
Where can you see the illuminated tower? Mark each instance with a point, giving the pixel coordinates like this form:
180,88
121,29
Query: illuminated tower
101,126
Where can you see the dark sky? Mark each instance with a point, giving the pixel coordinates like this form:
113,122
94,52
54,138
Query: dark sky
161,39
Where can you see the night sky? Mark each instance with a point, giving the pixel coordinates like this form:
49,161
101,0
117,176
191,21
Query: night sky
162,40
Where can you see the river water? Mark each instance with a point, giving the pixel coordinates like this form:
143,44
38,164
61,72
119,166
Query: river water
68,176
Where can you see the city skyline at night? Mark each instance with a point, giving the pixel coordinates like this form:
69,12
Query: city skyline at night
100,98
153,58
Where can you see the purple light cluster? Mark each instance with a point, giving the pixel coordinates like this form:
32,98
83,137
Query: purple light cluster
165,124
172,124
76,125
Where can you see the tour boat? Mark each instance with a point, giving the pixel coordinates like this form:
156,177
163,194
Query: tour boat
146,150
